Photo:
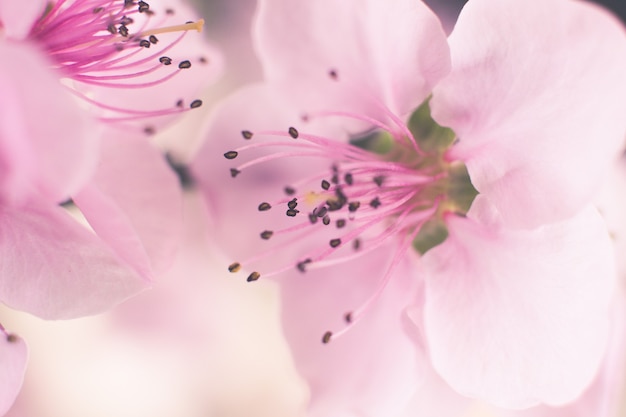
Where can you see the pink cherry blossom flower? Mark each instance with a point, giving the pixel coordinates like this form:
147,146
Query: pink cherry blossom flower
508,292
79,92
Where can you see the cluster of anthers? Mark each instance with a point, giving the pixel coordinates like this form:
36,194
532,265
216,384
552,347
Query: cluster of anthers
392,183
113,44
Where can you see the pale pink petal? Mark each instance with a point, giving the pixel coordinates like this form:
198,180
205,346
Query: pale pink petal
378,52
18,170
13,357
372,369
55,268
18,17
604,396
519,317
61,139
435,398
134,204
537,98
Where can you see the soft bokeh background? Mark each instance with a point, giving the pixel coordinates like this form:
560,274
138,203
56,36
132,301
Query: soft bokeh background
201,343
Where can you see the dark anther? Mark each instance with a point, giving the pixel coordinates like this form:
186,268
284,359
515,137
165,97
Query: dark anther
312,218
292,212
293,203
195,104
169,12
354,206
304,118
326,220
335,242
253,276
334,204
149,130
293,132
119,47
111,29
11,338
234,267
246,134
321,212
302,264
128,3
144,43
264,206
234,172
165,60
325,184
340,223
289,190
379,179
375,203
184,64
179,102
266,234
153,39
356,244
332,73
231,155
143,6
203,60
348,317
126,21
98,10
335,178
326,337
123,30
348,178
149,13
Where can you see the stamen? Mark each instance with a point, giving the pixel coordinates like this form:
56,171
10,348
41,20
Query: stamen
234,267
253,276
197,25
264,206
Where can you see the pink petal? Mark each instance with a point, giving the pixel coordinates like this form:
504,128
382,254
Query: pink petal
18,17
519,317
55,268
537,98
604,396
13,357
134,204
373,368
60,141
389,53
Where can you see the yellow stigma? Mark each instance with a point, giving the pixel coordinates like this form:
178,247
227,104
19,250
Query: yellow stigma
197,25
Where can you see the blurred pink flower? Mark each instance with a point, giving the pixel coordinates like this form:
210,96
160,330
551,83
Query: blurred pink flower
80,89
510,300
13,355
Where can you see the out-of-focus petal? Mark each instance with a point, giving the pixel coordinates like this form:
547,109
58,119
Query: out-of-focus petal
537,98
55,268
134,204
18,17
372,369
519,317
61,139
13,356
352,55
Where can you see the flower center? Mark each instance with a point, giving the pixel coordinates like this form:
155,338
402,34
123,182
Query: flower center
113,44
390,183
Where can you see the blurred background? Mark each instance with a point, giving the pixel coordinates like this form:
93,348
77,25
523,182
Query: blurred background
199,344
